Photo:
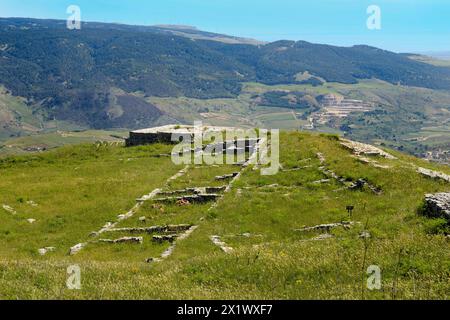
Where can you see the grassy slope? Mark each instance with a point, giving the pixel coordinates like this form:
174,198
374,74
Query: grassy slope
80,188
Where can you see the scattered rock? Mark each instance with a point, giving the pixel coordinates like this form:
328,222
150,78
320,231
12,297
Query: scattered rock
365,235
9,209
322,181
321,157
437,205
31,220
44,251
183,202
321,237
32,203
76,248
158,206
142,219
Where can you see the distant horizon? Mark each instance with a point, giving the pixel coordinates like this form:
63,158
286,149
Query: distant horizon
444,54
407,26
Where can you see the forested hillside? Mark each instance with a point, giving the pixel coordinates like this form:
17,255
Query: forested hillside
70,74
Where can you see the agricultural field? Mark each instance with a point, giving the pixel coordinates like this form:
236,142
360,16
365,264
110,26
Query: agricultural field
46,141
248,239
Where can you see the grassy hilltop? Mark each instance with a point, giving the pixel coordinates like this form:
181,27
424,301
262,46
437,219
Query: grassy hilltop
74,190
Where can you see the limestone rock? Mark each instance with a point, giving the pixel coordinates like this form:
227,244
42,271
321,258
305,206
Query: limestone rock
437,205
76,248
361,148
9,209
433,174
44,251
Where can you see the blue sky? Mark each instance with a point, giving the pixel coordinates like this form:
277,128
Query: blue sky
407,25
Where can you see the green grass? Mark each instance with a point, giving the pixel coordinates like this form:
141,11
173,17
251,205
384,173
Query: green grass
79,188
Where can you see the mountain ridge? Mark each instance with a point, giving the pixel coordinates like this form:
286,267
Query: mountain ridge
88,77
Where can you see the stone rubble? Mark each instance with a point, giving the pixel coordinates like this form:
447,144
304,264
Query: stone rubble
322,237
76,248
437,205
365,235
44,251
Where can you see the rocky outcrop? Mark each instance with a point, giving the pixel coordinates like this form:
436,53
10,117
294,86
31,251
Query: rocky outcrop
433,174
359,148
437,206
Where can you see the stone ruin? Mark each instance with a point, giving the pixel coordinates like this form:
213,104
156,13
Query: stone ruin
437,205
359,148
164,134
